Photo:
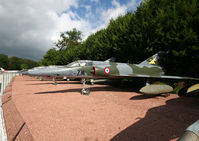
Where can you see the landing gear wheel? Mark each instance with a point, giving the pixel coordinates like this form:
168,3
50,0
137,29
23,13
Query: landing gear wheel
85,92
41,79
54,81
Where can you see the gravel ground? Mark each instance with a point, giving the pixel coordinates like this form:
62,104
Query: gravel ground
61,113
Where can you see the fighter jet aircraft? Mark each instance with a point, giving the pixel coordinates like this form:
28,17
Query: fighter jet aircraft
149,68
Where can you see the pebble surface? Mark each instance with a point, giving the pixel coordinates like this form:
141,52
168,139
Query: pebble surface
61,113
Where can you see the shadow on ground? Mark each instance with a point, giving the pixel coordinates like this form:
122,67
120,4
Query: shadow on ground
58,82
164,122
143,96
92,89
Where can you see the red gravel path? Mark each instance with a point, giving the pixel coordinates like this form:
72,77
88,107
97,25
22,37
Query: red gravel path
60,113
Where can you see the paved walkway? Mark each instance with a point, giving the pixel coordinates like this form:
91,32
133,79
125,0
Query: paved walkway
61,113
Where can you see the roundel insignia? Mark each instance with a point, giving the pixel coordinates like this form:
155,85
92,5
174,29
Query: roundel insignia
107,70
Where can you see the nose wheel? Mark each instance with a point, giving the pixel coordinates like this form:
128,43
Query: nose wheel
85,91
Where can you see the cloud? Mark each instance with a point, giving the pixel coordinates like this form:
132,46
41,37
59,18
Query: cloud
115,3
88,11
27,27
132,4
69,20
111,13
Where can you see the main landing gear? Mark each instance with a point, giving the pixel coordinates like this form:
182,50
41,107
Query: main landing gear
85,91
54,81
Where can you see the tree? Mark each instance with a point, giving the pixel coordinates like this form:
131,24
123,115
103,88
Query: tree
172,26
69,39
51,57
4,61
24,66
14,63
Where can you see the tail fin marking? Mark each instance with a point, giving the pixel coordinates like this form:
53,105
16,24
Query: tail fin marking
151,60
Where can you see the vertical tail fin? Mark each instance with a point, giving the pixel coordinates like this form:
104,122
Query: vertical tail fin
153,60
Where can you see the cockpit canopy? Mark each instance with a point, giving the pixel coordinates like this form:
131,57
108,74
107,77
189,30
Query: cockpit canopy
80,63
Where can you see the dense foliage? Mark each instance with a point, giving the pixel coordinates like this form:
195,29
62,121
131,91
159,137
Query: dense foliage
15,63
3,61
156,25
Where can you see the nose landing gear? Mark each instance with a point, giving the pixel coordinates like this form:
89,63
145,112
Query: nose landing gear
85,91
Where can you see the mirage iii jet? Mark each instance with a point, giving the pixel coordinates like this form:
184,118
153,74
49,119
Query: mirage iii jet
106,69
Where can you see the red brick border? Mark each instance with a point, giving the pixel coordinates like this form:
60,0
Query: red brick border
16,127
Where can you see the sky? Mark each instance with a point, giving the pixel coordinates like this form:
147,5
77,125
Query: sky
28,28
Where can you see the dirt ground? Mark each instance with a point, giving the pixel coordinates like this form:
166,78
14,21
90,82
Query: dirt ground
61,113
